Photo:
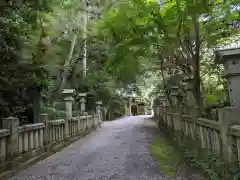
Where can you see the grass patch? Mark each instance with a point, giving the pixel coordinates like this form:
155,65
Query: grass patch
168,156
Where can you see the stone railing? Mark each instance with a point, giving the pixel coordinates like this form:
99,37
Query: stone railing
221,137
30,137
29,143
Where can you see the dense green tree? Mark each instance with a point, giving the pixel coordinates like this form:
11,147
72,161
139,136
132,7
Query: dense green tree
177,36
135,45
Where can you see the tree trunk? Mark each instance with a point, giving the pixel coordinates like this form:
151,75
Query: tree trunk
67,63
196,73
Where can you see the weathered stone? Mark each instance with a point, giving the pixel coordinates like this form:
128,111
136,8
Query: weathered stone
68,94
99,103
82,101
82,95
30,127
230,58
4,132
12,123
68,97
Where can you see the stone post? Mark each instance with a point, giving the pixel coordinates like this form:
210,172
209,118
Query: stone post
86,114
68,98
225,116
129,106
82,97
126,110
105,114
98,111
44,119
12,123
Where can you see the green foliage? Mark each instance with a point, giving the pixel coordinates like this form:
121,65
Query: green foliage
123,46
169,157
138,32
210,163
17,73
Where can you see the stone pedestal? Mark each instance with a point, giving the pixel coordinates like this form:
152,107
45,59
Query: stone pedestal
68,98
230,58
12,123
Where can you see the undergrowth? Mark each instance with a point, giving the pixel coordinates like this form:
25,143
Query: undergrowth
210,163
168,156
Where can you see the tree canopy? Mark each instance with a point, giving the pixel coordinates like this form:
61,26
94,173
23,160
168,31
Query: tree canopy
135,45
175,37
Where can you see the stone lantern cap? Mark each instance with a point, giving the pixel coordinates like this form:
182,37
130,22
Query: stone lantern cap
98,102
162,97
68,94
226,54
230,59
82,95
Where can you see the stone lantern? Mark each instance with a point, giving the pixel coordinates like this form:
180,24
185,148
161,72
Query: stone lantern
130,98
82,101
98,106
98,111
68,98
230,58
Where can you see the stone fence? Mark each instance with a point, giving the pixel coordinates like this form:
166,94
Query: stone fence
21,144
221,137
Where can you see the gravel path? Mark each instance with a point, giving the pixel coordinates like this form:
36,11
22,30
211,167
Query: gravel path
119,150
